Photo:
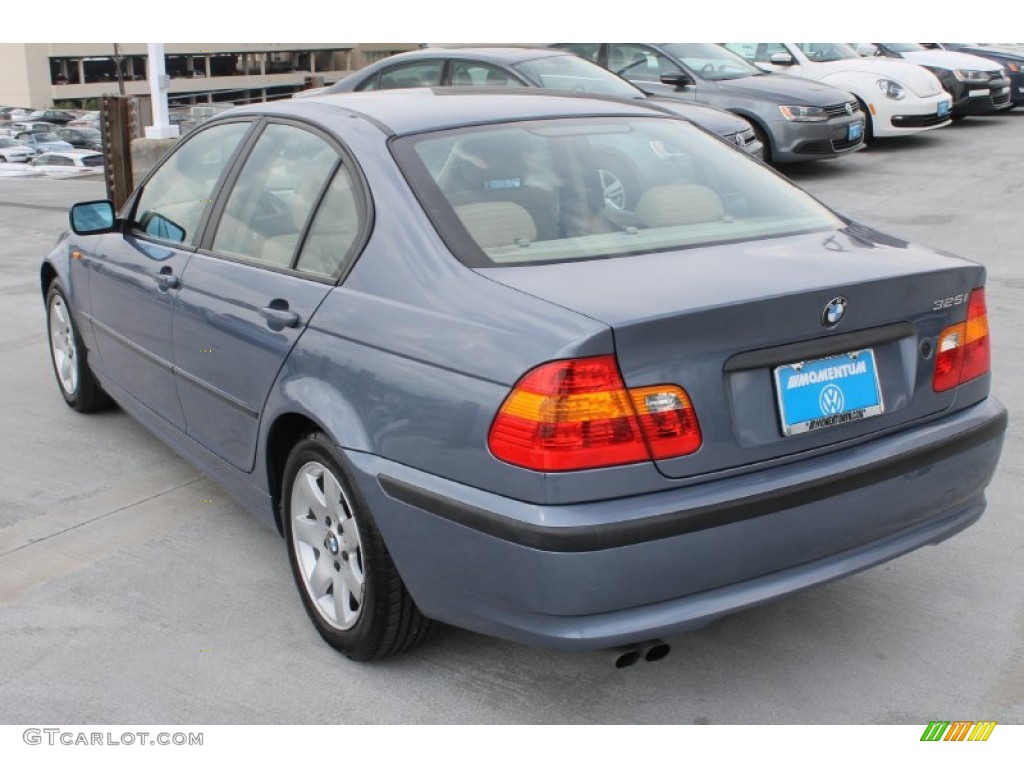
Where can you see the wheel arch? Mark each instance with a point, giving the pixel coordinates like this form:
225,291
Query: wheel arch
284,433
47,274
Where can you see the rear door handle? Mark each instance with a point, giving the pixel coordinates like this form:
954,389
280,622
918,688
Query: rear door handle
278,316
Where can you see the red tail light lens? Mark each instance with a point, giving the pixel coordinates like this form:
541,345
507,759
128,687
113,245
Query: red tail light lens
964,350
578,414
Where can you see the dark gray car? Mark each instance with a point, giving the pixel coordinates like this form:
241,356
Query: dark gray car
796,119
531,67
407,330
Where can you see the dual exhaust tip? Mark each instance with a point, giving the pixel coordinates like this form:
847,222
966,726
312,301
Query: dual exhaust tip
628,655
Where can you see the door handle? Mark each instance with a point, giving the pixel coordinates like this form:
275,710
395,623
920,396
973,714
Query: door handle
278,315
167,280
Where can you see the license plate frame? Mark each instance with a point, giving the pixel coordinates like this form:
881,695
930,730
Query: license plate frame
855,130
828,391
944,108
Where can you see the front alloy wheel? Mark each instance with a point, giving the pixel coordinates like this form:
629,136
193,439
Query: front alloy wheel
70,358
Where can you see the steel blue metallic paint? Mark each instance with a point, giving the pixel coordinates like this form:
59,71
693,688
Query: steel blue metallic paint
405,362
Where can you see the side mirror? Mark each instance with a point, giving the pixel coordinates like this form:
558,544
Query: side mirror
782,59
678,79
92,218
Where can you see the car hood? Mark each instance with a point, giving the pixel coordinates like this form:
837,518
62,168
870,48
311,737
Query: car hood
717,121
784,89
918,79
1006,51
950,60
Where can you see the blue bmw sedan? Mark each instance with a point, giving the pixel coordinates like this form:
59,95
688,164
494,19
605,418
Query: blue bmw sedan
412,331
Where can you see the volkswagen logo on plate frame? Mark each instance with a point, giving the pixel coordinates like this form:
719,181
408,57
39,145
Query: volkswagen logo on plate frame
833,312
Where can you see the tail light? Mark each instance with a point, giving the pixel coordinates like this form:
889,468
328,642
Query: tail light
964,351
578,414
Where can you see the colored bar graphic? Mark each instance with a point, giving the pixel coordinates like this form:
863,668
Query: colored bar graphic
982,730
958,730
935,730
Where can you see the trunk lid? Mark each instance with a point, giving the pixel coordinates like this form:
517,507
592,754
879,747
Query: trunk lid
720,320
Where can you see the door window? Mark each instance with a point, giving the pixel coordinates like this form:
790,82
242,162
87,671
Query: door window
270,203
484,75
174,199
637,62
416,74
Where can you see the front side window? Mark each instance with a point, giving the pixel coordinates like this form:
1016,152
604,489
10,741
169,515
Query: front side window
571,189
712,62
172,204
475,73
276,191
827,51
638,62
571,73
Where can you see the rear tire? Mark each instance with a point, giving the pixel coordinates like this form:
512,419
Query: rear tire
70,358
347,581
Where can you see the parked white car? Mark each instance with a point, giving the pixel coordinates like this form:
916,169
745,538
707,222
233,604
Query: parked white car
72,161
13,151
898,97
978,86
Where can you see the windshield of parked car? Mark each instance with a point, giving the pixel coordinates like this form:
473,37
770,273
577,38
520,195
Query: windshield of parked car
8,142
584,188
712,62
92,161
40,137
827,51
904,47
88,133
571,73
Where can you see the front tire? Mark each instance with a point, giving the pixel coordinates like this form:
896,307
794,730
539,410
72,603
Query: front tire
70,358
344,573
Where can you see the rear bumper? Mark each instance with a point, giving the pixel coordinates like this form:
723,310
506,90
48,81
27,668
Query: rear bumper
603,574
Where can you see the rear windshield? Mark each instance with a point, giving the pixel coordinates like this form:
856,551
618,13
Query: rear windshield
572,189
92,161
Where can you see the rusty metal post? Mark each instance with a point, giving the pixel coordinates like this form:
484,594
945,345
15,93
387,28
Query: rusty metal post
116,131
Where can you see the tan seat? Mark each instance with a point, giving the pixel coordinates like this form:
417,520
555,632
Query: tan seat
677,204
497,224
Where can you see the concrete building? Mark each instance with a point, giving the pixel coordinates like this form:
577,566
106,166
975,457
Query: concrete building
43,75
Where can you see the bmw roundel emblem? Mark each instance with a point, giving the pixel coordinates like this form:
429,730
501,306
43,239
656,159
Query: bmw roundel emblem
834,311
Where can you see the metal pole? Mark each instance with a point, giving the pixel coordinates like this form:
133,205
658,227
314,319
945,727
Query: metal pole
158,82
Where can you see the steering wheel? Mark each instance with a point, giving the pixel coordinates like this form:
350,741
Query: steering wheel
708,69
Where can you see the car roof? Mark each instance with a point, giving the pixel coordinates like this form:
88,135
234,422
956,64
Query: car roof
413,110
497,55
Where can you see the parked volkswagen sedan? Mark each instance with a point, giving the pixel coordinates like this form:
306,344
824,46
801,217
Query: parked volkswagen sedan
407,330
795,119
530,67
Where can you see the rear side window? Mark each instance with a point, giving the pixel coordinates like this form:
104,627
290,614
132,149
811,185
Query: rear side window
175,197
332,236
